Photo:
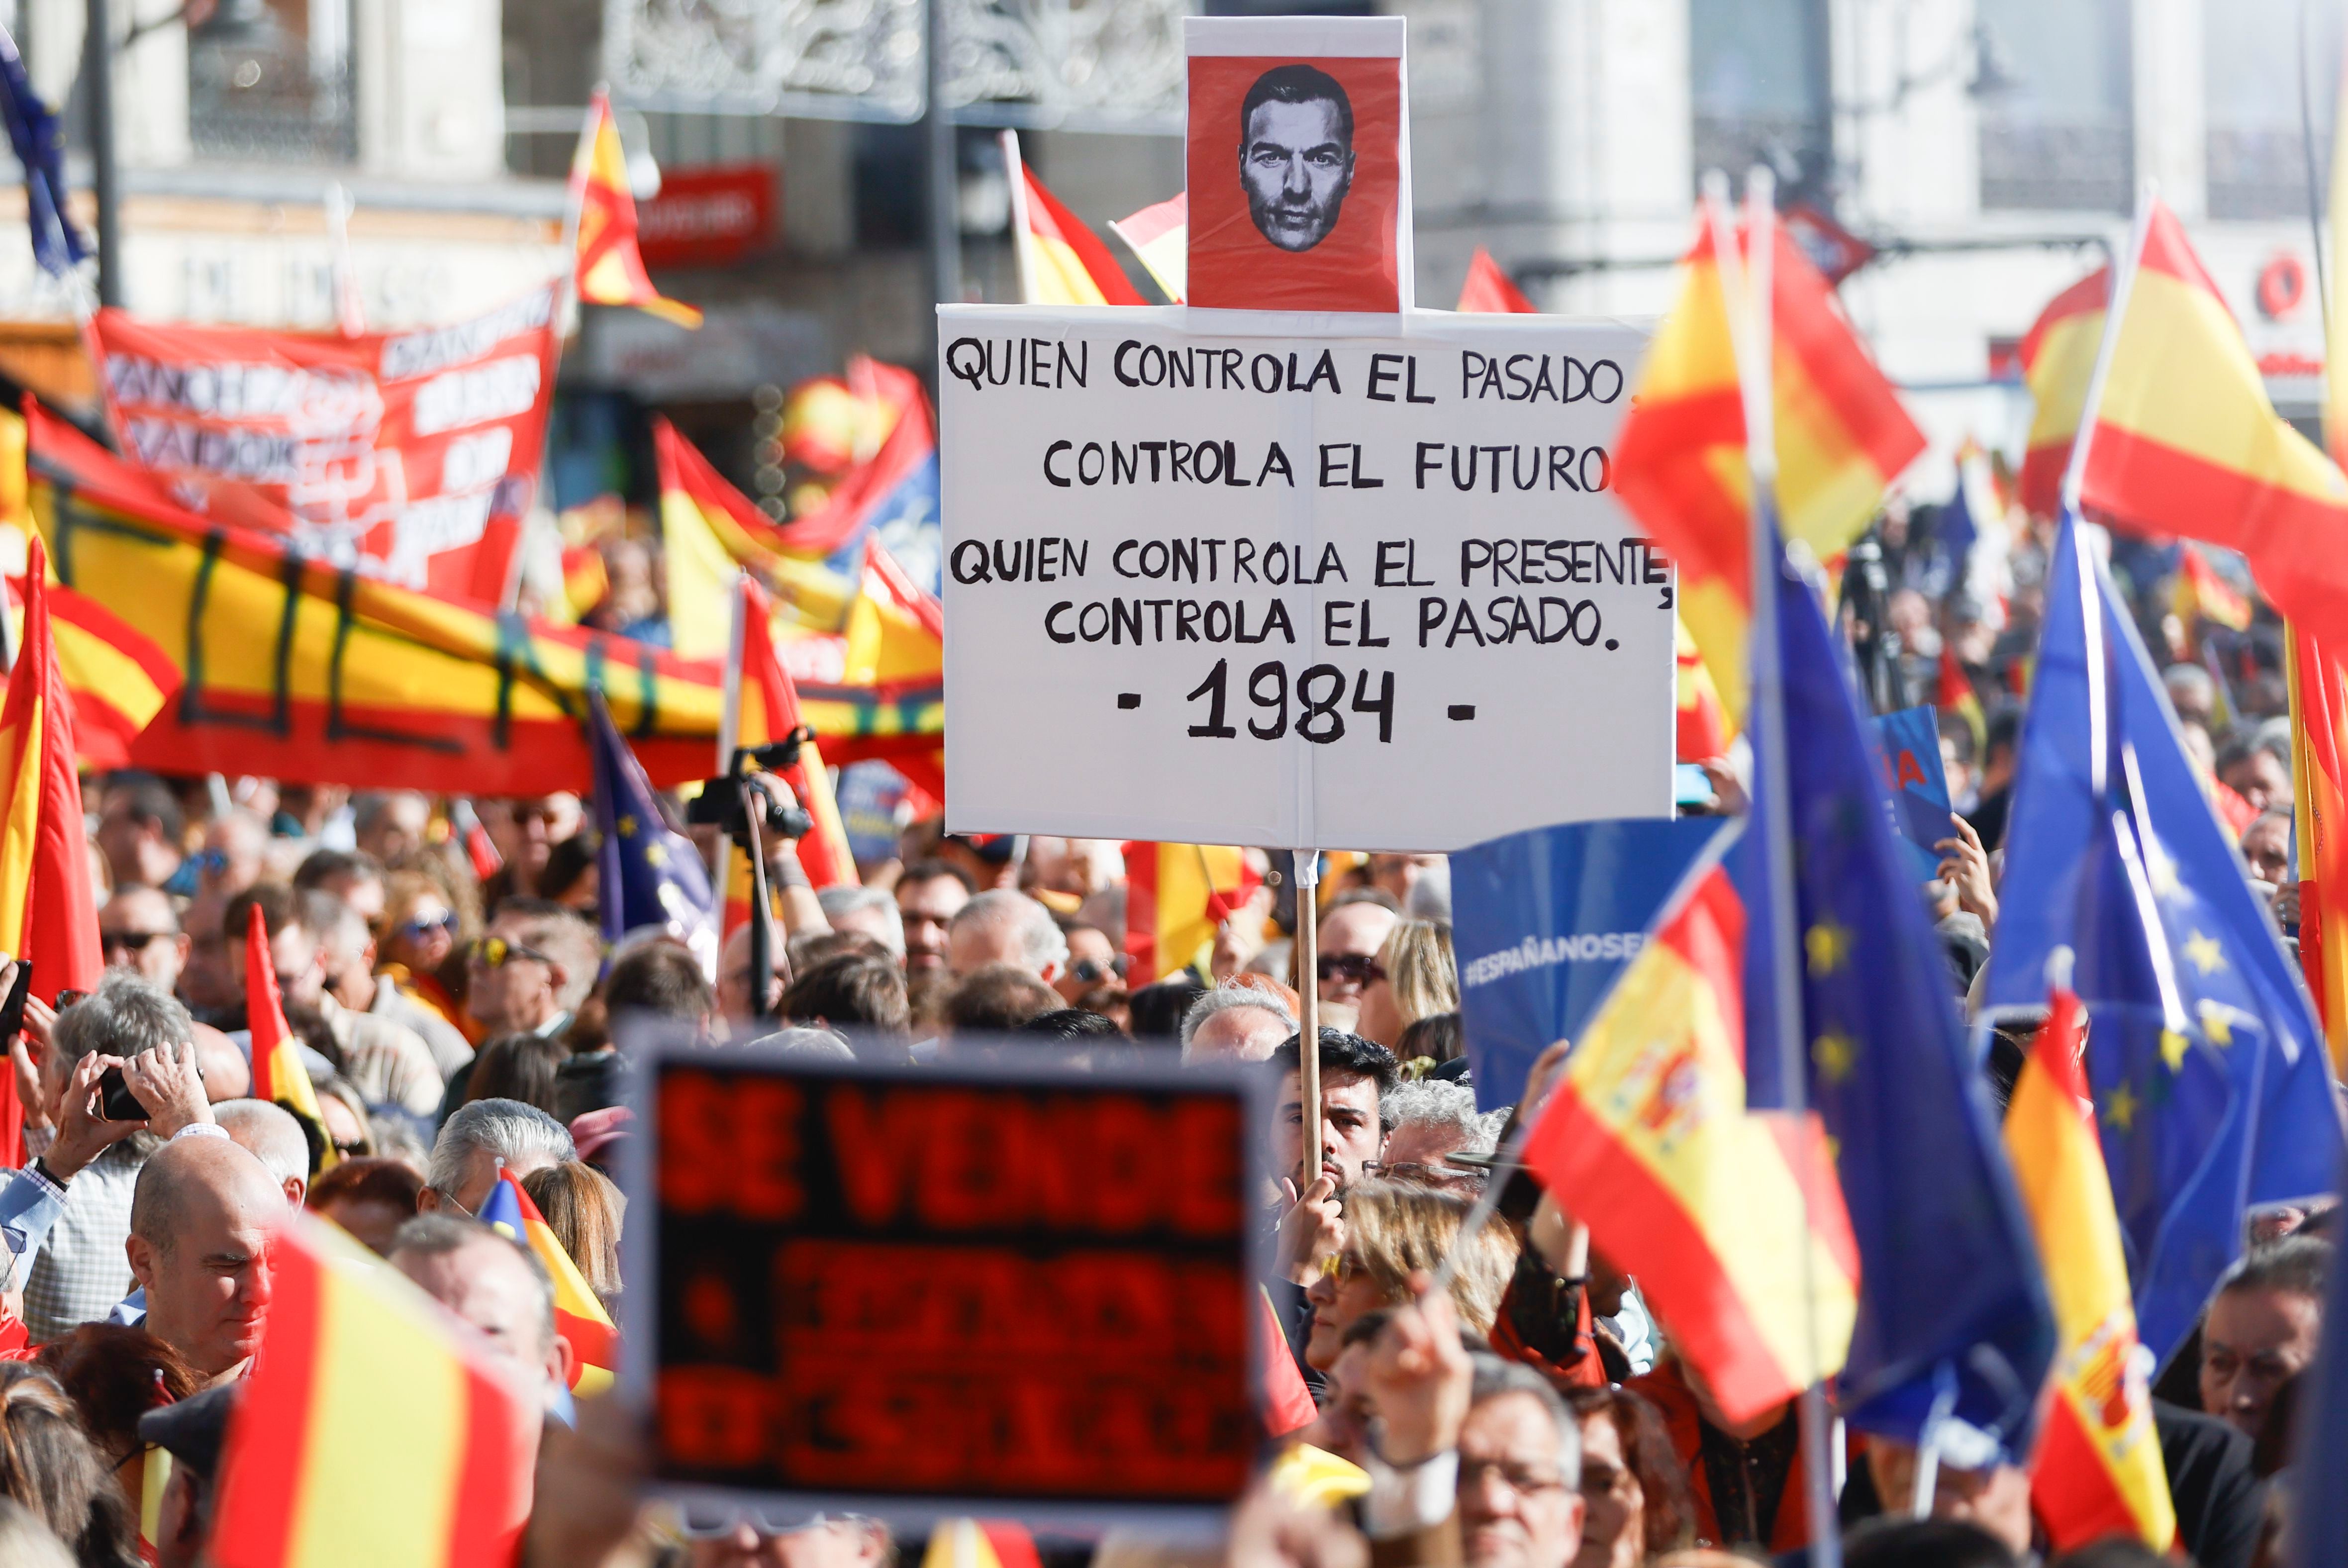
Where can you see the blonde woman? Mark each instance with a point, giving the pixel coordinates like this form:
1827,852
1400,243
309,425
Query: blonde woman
1415,977
1391,1229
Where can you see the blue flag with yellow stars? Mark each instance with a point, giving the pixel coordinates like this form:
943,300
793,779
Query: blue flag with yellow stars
1952,1306
2211,1087
648,873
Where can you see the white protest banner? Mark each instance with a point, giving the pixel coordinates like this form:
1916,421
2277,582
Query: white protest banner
1281,586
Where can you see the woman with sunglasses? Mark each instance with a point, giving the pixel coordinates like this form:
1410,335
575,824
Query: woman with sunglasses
420,930
1415,977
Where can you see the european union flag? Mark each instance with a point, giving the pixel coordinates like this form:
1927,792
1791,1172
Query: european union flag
40,148
648,873
2211,1087
1949,1289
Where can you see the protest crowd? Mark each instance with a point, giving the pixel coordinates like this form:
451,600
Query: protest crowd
1937,1167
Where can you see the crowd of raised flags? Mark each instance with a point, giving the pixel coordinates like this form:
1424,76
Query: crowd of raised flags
1783,1126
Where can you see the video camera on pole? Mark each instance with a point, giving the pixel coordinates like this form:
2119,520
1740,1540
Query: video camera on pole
726,803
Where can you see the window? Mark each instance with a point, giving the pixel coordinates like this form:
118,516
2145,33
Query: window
270,81
2059,134
1758,82
2251,59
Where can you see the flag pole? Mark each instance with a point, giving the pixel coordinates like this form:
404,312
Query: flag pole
729,735
1019,247
1749,301
1308,1010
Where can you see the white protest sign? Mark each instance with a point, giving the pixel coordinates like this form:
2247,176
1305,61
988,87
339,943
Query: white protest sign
1278,585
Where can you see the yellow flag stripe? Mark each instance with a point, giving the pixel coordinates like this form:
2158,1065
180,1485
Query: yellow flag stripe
385,1436
18,827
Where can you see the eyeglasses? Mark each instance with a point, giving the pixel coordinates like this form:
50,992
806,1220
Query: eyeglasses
131,941
703,1523
1091,969
496,952
1359,968
1521,1479
1423,1174
417,930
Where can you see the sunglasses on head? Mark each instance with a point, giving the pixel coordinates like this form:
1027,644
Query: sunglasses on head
496,952
1358,967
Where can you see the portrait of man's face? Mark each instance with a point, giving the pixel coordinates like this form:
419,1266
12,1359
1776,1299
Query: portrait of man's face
1296,154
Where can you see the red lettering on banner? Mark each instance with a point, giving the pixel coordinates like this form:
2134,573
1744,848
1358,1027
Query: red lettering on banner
1911,771
714,1415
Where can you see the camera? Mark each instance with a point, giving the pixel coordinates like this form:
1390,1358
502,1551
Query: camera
724,802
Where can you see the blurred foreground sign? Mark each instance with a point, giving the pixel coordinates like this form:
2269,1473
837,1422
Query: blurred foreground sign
1007,1287
1225,577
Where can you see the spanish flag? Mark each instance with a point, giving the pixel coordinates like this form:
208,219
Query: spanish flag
766,704
611,268
2198,594
981,1543
2185,442
1490,291
709,531
374,1427
119,677
1647,1139
1160,235
578,1315
1061,262
310,673
46,912
278,1074
1841,437
2058,360
2097,1470
1175,897
1954,693
1703,730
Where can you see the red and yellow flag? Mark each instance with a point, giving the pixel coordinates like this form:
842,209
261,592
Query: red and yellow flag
119,677
1061,262
2198,594
578,1315
1954,693
768,709
373,1427
1175,897
2185,441
1647,1141
1160,235
610,267
1704,729
710,529
47,911
1841,437
1489,291
2097,1470
2058,360
279,1075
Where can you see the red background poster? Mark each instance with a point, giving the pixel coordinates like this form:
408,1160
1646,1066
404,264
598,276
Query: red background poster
1232,266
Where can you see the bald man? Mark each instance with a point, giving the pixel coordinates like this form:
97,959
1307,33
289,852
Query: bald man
226,1074
201,1221
271,1135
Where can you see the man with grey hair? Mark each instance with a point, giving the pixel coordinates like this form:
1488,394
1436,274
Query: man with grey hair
869,910
481,1138
346,940
1430,1119
495,1283
1473,1460
1001,927
391,1063
79,1271
1235,1023
390,824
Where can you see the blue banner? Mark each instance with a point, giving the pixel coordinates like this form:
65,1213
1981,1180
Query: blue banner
1917,786
1544,921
